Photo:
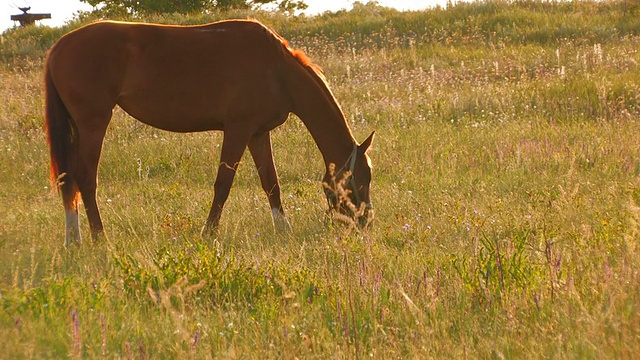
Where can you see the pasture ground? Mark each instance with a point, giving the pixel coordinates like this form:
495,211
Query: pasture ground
506,188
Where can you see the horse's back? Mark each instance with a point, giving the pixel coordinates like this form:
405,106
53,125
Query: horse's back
158,73
227,43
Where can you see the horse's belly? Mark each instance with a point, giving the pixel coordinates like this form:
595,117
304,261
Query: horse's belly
172,114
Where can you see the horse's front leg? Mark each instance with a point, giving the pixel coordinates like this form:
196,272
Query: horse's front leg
260,148
233,145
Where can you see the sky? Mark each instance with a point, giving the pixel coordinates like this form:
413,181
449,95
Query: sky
63,10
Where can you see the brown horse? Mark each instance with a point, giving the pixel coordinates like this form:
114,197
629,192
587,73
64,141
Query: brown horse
236,76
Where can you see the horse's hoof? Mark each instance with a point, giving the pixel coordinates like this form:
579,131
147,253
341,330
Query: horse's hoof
209,232
280,222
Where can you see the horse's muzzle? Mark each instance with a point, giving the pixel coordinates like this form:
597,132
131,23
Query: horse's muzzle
365,220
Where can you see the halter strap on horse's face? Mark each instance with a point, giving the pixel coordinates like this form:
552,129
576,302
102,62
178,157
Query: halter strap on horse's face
351,161
352,178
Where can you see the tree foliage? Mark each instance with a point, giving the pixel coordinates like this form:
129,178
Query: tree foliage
139,7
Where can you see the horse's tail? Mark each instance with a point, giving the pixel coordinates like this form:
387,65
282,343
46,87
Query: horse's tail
61,138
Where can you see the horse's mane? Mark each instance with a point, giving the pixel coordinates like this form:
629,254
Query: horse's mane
303,58
314,69
297,53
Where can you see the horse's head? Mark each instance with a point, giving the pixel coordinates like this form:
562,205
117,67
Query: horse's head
347,188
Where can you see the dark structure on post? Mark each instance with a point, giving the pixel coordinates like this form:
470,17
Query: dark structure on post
26,19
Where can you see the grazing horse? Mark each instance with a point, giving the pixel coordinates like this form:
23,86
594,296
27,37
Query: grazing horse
237,76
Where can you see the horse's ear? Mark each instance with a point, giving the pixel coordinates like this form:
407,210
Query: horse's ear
367,143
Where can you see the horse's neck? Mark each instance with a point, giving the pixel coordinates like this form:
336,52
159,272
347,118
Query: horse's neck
317,108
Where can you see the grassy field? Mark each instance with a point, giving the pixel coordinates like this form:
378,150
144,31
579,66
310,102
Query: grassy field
506,187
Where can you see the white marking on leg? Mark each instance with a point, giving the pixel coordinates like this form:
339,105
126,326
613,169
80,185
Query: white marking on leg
72,228
280,222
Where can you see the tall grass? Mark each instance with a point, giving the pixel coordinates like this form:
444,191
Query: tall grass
506,187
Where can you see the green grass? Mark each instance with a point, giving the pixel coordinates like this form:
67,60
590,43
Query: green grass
506,189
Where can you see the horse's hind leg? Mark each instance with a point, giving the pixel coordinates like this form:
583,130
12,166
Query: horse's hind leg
91,136
69,191
260,148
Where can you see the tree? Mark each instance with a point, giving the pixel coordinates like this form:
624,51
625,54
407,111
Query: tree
139,7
